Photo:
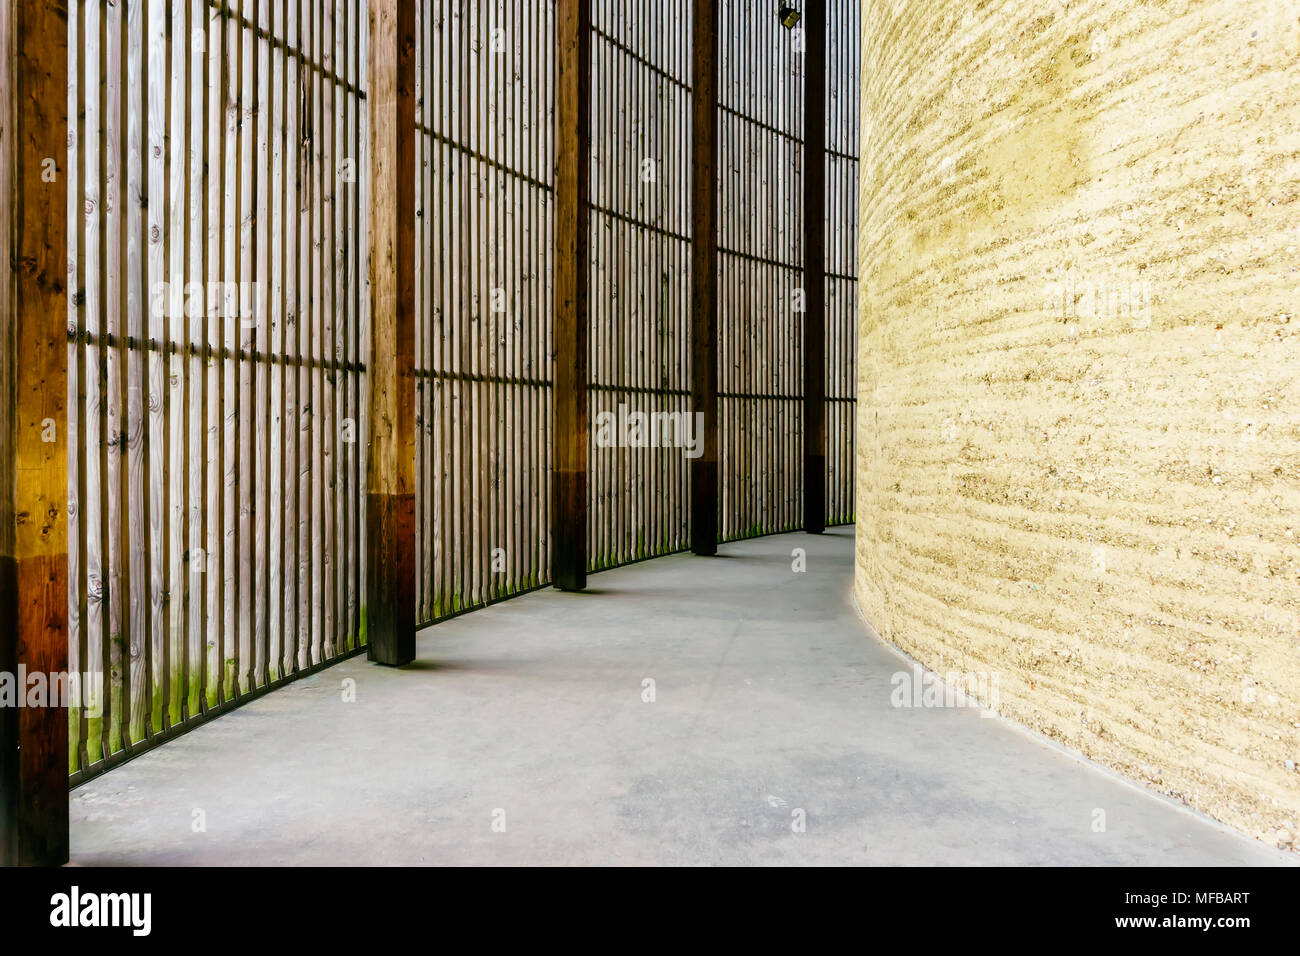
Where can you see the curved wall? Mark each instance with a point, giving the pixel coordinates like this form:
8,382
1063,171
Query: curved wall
1078,464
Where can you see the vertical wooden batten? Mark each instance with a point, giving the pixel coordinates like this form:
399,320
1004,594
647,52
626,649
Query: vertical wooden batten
814,221
389,615
572,245
33,431
704,271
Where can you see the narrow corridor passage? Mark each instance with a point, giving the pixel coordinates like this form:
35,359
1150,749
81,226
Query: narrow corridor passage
526,733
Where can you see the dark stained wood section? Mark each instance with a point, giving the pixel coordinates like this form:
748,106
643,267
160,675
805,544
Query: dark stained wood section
814,223
390,475
33,432
704,271
572,245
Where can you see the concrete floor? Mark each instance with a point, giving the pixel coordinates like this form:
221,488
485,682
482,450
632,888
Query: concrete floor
770,698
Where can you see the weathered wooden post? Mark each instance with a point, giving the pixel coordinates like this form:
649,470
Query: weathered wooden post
704,271
33,430
814,225
389,614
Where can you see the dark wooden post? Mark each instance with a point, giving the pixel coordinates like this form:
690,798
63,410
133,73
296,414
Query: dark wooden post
572,245
704,271
33,430
814,224
389,614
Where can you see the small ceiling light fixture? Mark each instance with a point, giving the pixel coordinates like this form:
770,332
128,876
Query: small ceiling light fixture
789,16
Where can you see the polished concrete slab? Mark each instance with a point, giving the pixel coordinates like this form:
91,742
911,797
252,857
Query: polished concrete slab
685,710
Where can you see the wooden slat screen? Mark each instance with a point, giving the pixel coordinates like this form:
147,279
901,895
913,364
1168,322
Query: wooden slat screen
760,256
842,136
483,251
216,242
640,281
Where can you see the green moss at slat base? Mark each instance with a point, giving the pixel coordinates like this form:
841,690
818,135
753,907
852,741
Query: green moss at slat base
115,711
156,712
94,739
177,693
74,739
194,694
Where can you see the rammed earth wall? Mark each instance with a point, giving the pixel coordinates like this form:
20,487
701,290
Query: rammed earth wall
1079,393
